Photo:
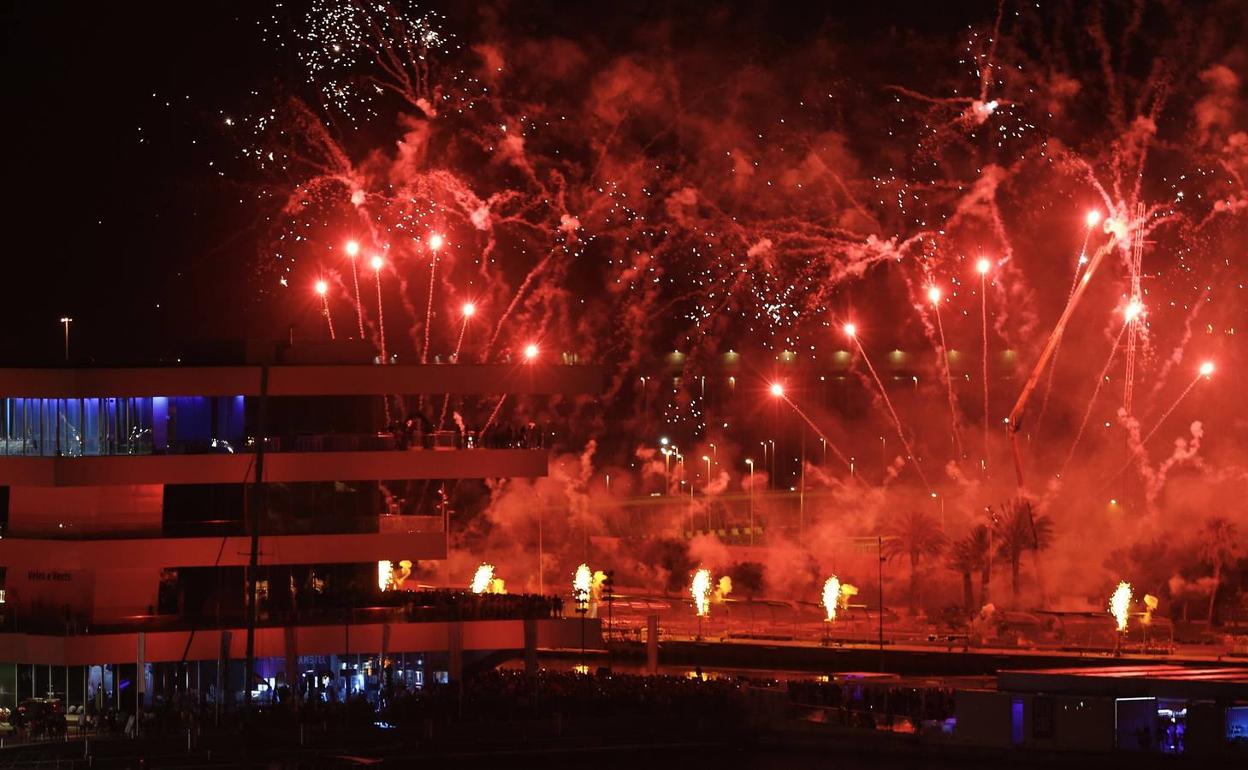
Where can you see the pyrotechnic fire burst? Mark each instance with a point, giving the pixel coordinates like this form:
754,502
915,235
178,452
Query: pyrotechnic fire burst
484,582
831,596
701,591
1120,605
582,584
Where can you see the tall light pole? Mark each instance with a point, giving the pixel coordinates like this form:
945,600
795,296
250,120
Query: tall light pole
66,320
750,463
667,466
706,491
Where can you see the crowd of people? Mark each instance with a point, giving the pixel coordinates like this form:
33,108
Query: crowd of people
495,695
870,704
499,695
438,605
503,696
419,432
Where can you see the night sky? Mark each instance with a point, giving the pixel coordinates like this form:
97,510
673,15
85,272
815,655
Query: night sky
116,216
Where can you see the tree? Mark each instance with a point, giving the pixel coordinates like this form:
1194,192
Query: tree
672,557
968,556
1016,530
917,536
1219,547
747,577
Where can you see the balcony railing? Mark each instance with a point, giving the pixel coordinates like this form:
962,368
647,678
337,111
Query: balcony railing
141,443
384,524
429,606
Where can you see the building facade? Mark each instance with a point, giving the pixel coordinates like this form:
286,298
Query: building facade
134,502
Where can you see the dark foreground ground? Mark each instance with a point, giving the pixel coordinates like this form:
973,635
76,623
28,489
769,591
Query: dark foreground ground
606,752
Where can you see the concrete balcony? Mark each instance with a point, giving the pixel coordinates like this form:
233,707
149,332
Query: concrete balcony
278,467
369,638
411,537
334,380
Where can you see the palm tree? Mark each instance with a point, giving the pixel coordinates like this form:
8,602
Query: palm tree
1016,530
967,556
917,536
1218,546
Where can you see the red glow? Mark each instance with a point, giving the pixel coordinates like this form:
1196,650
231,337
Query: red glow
530,351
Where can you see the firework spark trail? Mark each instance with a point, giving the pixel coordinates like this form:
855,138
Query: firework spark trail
1136,264
944,356
433,269
1176,355
1170,410
983,308
446,400
1092,220
322,288
1087,413
515,300
901,434
815,428
352,252
1138,449
381,316
493,416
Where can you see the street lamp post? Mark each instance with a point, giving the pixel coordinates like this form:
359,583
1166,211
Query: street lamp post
750,463
667,467
879,541
582,608
706,491
66,320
